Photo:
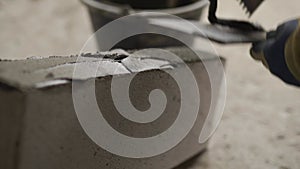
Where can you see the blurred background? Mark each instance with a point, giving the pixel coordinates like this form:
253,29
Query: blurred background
260,127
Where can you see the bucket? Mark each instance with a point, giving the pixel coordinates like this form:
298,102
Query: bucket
103,12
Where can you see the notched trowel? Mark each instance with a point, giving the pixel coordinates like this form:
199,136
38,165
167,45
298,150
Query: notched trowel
250,5
220,30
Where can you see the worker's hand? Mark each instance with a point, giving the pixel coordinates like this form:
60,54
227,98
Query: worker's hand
273,52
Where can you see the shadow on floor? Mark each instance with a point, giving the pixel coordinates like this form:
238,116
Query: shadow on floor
191,162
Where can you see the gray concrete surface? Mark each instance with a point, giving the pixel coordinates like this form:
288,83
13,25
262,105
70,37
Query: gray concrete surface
260,127
42,120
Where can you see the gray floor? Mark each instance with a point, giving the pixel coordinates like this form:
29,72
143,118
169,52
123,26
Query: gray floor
260,127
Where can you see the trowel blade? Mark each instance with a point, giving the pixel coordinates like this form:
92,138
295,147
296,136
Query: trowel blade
251,5
216,33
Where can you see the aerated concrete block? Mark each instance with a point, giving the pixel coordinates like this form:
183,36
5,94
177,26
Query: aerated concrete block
39,127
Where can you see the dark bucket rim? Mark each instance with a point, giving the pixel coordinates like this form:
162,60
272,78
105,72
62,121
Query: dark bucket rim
119,9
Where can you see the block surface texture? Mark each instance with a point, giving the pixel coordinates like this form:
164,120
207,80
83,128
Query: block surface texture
39,127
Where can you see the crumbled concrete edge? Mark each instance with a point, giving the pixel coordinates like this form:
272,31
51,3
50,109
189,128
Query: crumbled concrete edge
37,73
